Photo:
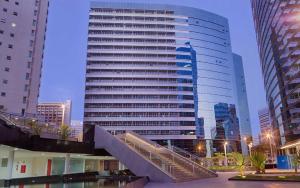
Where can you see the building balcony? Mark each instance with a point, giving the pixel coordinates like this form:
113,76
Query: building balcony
138,59
108,28
112,43
139,109
130,75
145,101
136,83
105,119
133,14
136,51
115,21
139,92
135,67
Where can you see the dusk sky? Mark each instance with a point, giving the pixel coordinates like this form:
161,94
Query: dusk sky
66,43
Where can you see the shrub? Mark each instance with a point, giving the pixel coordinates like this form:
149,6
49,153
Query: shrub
240,162
258,160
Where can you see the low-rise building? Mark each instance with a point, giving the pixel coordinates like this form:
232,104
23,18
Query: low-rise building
55,113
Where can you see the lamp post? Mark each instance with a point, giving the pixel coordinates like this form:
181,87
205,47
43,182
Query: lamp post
269,136
199,148
225,152
250,147
245,140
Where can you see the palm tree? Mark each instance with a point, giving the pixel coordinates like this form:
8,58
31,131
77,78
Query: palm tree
64,131
240,162
258,160
296,161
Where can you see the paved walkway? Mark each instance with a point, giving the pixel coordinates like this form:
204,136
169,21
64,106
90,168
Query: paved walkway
222,182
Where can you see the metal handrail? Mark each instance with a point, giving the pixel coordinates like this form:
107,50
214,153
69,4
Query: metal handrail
174,154
139,148
192,157
194,164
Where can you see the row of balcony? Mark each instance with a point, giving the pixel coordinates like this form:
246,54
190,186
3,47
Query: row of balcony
139,110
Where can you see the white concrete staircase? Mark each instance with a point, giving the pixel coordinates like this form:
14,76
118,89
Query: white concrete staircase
146,158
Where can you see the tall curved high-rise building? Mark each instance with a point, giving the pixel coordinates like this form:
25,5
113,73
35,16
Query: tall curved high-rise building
159,70
277,27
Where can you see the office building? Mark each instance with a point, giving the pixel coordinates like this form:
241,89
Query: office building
265,124
76,129
22,36
242,103
55,113
158,70
277,26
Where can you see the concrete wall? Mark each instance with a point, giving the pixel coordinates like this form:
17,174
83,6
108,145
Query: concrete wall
135,162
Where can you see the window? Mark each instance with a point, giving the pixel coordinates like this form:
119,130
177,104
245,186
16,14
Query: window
34,23
3,20
35,12
6,69
27,76
0,43
30,54
8,57
1,31
4,161
10,46
4,9
4,81
15,13
24,99
16,3
28,64
3,94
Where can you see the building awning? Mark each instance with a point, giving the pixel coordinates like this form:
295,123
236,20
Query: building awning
292,144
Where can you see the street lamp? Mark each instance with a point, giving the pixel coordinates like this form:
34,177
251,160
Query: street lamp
225,152
269,136
250,145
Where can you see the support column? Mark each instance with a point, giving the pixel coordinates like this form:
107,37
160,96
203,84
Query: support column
245,149
67,163
208,148
83,168
169,145
10,163
121,166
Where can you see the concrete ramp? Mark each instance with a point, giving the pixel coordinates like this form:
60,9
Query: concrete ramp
146,158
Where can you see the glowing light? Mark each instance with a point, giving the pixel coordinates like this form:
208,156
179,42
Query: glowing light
199,147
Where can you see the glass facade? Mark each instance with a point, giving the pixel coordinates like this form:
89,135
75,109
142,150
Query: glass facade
277,27
158,70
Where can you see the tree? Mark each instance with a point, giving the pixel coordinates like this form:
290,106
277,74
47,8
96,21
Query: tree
296,161
258,160
220,157
240,162
35,127
64,132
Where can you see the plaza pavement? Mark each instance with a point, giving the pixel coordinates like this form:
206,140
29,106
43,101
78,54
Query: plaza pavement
222,182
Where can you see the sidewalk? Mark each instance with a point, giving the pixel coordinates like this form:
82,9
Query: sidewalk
222,182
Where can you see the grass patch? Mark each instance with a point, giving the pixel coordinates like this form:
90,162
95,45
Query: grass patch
265,177
230,168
